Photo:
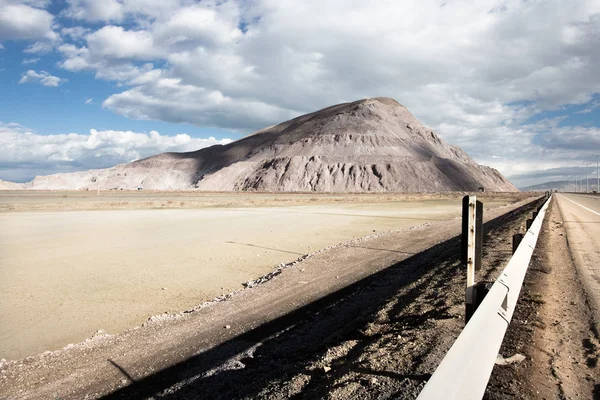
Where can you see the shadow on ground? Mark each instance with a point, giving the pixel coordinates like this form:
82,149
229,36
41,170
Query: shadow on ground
255,363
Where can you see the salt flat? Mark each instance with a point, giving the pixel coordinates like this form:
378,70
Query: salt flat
120,258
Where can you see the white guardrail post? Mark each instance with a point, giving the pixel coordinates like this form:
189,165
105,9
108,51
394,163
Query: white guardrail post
466,369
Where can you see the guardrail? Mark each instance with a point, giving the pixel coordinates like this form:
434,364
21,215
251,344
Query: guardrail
466,369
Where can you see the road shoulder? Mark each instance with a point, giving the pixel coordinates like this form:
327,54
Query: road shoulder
553,327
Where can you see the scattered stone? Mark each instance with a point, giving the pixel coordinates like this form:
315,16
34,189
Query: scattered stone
326,369
516,358
227,327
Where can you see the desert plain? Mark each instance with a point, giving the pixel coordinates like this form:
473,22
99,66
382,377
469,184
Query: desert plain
75,263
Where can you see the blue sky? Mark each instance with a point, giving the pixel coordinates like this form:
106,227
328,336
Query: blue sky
514,83
63,109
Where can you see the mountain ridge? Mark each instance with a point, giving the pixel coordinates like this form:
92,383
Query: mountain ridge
372,144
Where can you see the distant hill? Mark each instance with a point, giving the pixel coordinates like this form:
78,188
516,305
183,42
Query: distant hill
563,186
5,185
373,145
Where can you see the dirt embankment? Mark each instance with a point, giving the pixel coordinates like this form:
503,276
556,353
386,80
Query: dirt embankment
553,327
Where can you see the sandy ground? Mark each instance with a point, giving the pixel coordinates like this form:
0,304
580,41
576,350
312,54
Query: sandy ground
370,318
122,257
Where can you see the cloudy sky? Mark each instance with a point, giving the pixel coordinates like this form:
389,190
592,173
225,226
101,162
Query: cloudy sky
92,83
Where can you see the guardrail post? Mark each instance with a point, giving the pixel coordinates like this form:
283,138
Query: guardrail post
516,241
478,234
528,223
472,240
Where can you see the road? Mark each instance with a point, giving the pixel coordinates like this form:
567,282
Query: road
581,216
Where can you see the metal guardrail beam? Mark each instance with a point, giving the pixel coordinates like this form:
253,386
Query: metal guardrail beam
466,369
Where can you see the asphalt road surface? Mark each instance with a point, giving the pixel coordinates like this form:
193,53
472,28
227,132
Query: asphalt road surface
581,216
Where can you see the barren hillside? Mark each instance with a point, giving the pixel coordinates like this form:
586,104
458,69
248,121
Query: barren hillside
368,145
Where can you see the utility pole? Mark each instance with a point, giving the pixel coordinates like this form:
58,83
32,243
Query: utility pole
586,179
597,174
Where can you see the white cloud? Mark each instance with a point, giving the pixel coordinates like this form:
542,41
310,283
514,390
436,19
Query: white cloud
30,60
117,10
42,77
94,10
75,33
89,100
199,25
24,154
474,71
116,42
304,56
538,152
20,21
39,47
590,107
76,59
188,103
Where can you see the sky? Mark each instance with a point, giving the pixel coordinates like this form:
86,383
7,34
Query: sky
93,83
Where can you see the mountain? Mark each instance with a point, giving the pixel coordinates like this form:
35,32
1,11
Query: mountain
370,145
564,186
5,185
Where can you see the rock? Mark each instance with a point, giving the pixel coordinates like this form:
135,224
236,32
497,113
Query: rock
326,369
516,358
227,327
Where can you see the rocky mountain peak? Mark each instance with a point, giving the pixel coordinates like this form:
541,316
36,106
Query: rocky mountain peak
373,144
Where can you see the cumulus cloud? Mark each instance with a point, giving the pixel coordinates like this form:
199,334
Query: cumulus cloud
188,103
116,42
41,77
24,154
543,151
117,10
20,20
94,10
474,71
458,58
572,138
75,33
